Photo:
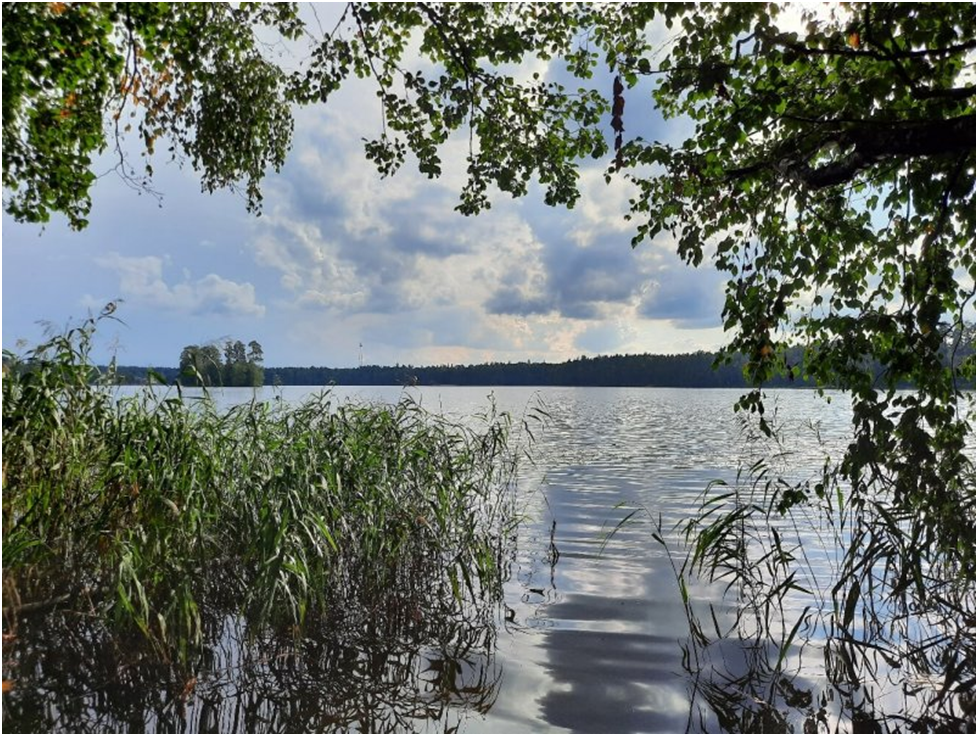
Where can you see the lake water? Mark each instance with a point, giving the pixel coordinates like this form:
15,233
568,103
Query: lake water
590,635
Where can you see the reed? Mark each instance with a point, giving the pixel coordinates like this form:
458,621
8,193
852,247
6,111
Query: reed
160,514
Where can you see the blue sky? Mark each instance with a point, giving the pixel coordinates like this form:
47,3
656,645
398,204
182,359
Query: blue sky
341,257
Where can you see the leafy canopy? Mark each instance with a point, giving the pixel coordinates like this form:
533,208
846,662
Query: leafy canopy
79,77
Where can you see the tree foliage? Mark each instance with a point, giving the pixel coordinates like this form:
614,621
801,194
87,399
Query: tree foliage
79,77
201,365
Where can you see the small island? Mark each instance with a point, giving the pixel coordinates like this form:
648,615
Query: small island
201,365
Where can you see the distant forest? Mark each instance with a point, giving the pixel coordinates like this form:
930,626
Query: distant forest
694,370
691,370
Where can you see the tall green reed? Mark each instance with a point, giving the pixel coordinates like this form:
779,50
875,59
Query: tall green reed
843,575
159,513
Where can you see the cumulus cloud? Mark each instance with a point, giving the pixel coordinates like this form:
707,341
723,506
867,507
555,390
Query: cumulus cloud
342,257
141,282
392,264
514,300
352,243
594,275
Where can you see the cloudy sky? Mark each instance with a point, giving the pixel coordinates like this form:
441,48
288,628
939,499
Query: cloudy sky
341,257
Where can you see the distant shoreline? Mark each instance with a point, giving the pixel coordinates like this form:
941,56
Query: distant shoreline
690,370
686,370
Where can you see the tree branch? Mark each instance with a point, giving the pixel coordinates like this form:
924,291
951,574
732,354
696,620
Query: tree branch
954,93
933,138
867,145
456,50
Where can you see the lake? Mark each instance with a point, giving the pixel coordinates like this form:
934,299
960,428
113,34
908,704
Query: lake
589,636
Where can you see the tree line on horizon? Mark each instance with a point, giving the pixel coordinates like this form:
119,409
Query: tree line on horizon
700,369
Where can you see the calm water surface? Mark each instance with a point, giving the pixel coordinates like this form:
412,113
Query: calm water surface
589,636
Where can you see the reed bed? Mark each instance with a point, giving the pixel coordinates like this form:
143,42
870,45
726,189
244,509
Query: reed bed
159,515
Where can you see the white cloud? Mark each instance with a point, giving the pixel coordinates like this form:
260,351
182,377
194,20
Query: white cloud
141,282
392,264
342,256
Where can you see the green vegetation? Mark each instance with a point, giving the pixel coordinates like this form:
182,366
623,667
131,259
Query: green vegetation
789,594
825,164
163,517
693,370
80,78
201,365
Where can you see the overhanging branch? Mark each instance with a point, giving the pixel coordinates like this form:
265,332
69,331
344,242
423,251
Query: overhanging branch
866,146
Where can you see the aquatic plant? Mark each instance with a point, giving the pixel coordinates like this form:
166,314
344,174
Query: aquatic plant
161,515
892,619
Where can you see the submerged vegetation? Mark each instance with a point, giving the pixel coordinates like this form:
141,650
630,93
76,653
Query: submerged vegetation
164,522
877,619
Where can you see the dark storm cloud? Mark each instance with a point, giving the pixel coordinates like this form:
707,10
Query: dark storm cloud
691,298
569,280
513,301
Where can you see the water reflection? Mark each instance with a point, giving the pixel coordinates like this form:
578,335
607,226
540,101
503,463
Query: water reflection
419,668
742,686
590,637
612,648
607,624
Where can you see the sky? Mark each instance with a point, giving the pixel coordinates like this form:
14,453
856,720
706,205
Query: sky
343,264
